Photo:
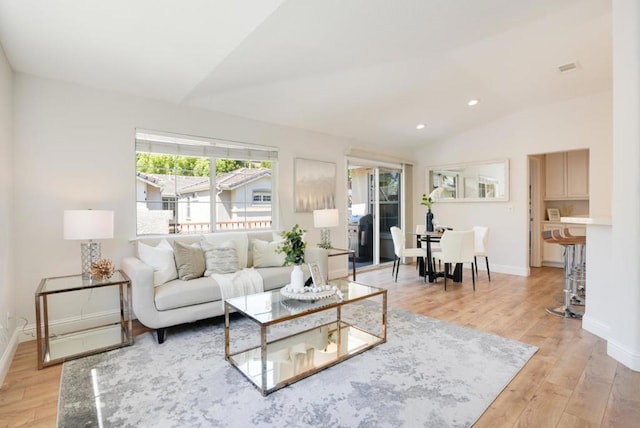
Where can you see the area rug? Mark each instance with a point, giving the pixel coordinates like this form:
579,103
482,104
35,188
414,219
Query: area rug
429,373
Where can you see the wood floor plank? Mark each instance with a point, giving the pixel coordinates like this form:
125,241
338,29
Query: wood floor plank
546,407
569,382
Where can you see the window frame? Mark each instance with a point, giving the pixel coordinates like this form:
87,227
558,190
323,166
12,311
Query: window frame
178,145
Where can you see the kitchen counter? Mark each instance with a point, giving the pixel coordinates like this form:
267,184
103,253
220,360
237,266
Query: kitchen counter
603,221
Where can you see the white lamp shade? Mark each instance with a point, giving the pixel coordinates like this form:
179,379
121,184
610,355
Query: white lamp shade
326,218
88,224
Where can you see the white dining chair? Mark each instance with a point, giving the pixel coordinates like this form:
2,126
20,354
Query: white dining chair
401,251
457,247
481,241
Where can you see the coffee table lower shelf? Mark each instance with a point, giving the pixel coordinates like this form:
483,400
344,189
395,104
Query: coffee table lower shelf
295,357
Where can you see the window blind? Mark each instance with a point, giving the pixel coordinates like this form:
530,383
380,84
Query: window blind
185,145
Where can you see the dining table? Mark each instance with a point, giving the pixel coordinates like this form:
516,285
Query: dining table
428,270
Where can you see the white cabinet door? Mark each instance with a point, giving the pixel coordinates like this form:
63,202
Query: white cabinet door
554,175
577,174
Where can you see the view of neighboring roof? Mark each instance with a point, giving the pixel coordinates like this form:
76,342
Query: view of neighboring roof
240,177
172,185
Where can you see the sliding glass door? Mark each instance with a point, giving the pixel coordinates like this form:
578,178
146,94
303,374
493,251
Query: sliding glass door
374,206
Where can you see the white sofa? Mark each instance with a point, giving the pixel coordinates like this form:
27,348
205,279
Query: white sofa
161,300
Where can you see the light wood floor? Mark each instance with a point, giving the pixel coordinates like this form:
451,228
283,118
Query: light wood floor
569,382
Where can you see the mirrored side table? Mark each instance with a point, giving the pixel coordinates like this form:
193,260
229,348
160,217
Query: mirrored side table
107,333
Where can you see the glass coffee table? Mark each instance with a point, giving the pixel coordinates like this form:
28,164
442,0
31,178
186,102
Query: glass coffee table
314,334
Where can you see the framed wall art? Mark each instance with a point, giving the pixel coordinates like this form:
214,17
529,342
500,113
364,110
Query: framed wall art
315,185
554,214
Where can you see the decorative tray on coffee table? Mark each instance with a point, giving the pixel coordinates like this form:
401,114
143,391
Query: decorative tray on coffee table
309,293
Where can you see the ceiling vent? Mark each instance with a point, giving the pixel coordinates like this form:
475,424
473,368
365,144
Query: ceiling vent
565,68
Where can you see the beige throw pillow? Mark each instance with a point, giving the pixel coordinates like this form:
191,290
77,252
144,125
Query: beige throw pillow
189,260
265,254
222,258
160,258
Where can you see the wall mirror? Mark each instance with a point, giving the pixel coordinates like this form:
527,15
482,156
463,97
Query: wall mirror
485,181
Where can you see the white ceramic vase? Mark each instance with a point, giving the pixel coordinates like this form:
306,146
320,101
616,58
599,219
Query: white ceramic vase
297,278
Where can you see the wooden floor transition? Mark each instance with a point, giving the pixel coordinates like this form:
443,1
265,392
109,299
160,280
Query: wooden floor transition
569,382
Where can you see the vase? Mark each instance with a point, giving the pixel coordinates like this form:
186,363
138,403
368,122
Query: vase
429,220
297,278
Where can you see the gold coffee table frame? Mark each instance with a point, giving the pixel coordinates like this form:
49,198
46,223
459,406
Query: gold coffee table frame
277,363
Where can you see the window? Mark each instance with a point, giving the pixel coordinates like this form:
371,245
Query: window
261,197
195,185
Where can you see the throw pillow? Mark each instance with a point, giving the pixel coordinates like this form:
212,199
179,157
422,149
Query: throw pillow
189,260
160,258
265,254
221,258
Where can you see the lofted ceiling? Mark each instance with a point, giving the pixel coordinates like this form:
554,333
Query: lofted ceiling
368,70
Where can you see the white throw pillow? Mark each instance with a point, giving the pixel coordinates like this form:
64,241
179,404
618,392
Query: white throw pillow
265,254
161,259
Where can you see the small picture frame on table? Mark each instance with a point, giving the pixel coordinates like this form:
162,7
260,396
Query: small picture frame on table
316,275
553,214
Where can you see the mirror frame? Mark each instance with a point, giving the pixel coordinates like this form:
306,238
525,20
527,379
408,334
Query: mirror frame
505,180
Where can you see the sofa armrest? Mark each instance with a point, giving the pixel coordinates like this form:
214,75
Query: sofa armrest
321,257
142,291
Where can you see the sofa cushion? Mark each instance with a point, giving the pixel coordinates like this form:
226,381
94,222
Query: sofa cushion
221,258
189,260
161,259
265,254
178,293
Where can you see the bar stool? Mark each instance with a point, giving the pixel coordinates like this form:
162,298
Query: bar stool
579,268
569,245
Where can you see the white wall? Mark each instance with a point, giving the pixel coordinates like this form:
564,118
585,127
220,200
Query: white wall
74,148
624,281
7,288
579,123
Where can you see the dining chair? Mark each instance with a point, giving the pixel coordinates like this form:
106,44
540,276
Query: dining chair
481,241
457,246
401,251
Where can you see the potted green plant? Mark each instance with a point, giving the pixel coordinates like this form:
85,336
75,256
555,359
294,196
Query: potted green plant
293,248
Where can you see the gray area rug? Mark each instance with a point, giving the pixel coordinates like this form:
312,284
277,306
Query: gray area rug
430,373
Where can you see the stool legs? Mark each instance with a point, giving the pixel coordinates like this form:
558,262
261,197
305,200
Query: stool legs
572,270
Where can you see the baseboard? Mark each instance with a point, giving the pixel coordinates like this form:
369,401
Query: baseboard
509,270
7,356
75,323
553,264
624,355
595,326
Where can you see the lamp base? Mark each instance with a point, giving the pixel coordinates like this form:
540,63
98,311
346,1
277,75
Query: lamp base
90,253
325,239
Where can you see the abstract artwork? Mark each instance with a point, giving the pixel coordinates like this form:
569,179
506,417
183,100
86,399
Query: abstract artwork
315,185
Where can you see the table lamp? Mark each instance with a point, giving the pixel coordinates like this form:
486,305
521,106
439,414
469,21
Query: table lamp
324,219
88,225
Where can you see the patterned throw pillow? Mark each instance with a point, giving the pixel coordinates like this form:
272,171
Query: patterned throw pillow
189,260
221,258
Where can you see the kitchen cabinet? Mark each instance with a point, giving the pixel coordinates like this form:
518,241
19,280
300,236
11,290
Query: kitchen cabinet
567,175
552,254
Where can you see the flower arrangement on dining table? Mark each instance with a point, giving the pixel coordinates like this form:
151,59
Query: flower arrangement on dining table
427,201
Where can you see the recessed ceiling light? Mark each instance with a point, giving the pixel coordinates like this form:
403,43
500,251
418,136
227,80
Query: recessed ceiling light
420,126
473,102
